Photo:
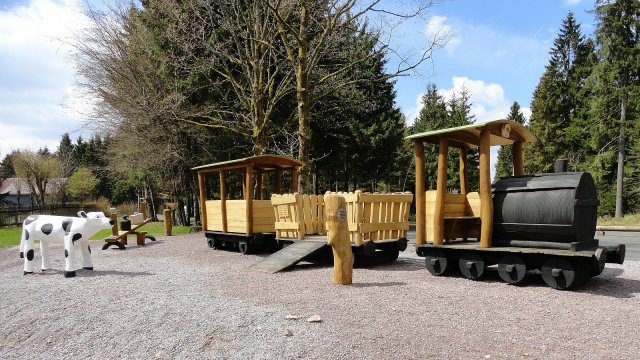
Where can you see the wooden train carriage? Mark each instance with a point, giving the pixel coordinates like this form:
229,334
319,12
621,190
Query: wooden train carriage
248,222
376,221
445,222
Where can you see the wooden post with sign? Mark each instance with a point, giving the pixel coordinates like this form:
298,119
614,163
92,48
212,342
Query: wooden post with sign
338,238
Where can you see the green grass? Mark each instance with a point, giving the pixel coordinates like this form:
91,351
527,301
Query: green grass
11,236
627,220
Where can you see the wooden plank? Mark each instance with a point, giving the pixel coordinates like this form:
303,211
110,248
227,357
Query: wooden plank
203,200
283,199
288,256
321,224
418,148
223,201
450,198
314,214
365,228
438,222
306,214
369,198
294,180
486,206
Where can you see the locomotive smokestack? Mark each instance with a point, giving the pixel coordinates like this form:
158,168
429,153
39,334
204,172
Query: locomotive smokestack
561,166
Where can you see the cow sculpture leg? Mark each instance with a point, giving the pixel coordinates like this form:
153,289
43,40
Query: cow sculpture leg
69,252
28,252
86,256
46,258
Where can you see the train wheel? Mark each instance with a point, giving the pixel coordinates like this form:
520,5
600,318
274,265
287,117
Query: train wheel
559,274
598,265
436,263
391,254
512,269
471,265
211,243
243,246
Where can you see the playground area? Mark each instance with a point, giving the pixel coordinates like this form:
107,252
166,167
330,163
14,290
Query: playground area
177,298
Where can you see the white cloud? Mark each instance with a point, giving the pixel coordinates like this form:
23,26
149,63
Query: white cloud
488,100
438,28
36,72
572,2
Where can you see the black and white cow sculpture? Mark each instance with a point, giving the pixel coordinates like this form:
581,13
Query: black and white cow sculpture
65,229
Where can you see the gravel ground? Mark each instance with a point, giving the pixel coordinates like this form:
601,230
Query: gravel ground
176,298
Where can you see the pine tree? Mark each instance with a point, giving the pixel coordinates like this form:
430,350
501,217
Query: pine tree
432,116
504,166
616,81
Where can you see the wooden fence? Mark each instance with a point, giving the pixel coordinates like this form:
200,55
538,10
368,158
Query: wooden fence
16,216
374,217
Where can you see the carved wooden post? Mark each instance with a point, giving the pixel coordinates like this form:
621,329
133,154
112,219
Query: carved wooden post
167,221
338,239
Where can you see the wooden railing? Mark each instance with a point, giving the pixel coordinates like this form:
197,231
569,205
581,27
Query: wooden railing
374,217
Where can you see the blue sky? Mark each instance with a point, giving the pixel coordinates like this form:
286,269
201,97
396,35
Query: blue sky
498,51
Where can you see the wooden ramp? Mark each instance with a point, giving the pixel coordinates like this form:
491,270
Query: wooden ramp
288,256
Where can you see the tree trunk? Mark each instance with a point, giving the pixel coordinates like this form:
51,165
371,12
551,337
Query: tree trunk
304,108
620,175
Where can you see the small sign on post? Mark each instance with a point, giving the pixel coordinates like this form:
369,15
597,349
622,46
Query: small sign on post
338,239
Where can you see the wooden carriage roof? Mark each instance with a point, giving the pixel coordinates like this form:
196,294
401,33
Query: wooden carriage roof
503,132
263,163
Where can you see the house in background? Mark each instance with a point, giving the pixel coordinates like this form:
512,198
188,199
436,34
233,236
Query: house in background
16,192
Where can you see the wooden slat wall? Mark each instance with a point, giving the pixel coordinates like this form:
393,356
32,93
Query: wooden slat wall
370,216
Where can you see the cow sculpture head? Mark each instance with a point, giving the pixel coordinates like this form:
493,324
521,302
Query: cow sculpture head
96,219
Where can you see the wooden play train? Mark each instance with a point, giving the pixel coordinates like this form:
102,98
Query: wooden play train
540,222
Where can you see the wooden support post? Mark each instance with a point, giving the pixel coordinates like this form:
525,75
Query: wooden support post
203,201
294,180
441,191
518,159
140,237
114,217
168,224
142,208
464,182
259,185
421,205
223,201
338,239
278,181
248,196
486,202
